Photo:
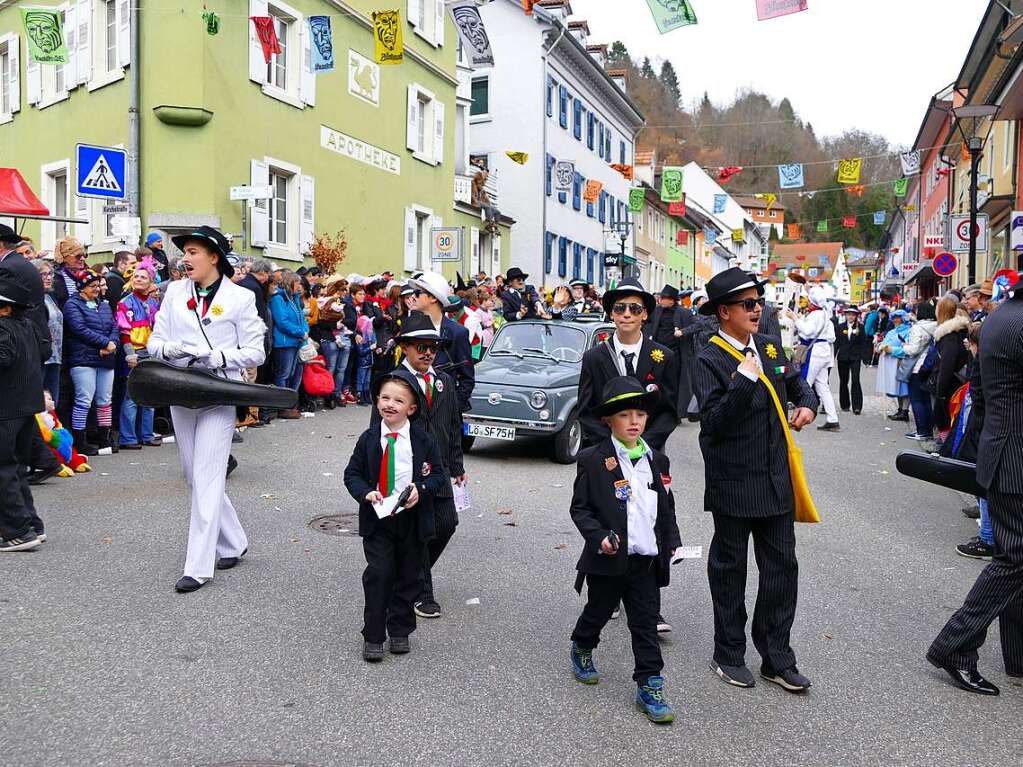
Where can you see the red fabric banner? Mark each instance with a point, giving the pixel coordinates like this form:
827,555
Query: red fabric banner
682,237
849,222
267,36
677,208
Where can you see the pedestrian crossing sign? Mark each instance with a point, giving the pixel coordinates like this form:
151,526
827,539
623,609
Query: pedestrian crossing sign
101,171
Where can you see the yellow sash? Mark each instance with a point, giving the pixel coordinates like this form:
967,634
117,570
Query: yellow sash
806,511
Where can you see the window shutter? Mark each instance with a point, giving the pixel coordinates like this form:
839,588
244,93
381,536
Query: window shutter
602,208
123,33
33,81
71,43
495,254
259,213
14,84
438,26
414,12
548,246
474,250
577,191
308,75
591,257
438,139
411,254
83,209
257,64
83,43
562,256
563,106
307,198
411,138
590,123
577,250
550,96
548,180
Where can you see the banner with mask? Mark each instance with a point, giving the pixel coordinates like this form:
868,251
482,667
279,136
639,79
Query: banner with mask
637,198
387,42
322,44
469,24
44,30
564,175
671,14
671,184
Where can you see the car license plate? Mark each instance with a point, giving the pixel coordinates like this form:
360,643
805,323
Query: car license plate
489,432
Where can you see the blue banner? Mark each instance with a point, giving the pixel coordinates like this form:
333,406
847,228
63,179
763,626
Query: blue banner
709,235
791,176
879,217
322,44
720,202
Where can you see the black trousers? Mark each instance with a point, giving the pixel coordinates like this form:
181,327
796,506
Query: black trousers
17,509
998,593
40,457
446,520
638,591
849,373
774,545
392,579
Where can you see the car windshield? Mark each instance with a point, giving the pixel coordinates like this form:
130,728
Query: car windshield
534,339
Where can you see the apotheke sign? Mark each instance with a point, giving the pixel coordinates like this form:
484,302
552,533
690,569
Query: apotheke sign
354,149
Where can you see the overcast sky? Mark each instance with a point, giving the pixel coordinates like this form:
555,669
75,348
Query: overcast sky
868,64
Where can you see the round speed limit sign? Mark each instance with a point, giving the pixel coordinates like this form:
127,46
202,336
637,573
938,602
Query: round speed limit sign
444,242
963,230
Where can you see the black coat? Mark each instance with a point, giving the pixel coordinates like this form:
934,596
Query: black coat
363,474
851,342
683,346
21,378
952,357
21,268
115,289
162,264
596,511
745,454
656,366
678,322
770,325
249,281
1000,450
456,360
512,301
443,421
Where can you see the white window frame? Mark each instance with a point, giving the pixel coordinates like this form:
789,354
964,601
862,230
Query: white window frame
427,18
10,77
99,44
483,116
424,221
1007,144
429,124
289,249
47,173
49,95
292,94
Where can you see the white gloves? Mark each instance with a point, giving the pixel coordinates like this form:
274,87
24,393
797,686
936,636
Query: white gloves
211,358
175,350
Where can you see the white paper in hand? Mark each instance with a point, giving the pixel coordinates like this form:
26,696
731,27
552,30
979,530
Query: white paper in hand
462,500
386,506
687,552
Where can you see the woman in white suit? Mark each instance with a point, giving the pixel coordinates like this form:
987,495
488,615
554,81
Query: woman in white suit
207,321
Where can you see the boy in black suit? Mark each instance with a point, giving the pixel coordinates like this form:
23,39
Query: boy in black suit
387,460
622,505
748,487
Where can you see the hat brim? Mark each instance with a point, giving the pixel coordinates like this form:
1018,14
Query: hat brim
425,287
645,401
710,307
611,297
181,240
421,335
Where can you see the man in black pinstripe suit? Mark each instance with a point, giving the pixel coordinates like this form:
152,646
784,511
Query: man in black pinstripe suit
998,592
748,488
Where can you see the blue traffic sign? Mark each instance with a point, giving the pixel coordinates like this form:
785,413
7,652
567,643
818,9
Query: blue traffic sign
101,172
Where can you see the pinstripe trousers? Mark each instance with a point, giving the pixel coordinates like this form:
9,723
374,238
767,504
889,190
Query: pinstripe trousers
204,442
998,593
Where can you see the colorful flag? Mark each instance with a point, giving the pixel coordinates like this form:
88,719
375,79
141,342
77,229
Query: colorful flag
771,9
738,235
795,231
682,237
710,236
791,176
267,36
564,175
768,198
857,191
849,170
822,226
880,217
388,47
677,208
727,173
849,222
671,14
473,34
910,163
527,6
592,192
671,184
901,187
44,29
625,170
211,19
520,157
322,44
720,203
637,198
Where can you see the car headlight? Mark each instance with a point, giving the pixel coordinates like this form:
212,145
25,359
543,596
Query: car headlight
545,415
538,399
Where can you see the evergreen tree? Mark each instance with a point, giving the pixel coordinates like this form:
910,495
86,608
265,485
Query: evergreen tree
618,54
670,81
647,70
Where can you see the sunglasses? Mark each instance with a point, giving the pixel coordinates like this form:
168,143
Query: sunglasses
622,308
424,348
418,293
749,304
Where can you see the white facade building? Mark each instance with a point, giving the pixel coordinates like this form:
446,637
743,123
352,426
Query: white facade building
749,254
549,97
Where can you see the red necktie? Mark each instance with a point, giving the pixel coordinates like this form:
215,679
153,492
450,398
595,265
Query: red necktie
387,466
429,390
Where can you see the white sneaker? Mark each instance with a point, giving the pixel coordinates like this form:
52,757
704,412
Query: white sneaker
663,627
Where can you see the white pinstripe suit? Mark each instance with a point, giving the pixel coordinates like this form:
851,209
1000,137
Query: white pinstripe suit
232,326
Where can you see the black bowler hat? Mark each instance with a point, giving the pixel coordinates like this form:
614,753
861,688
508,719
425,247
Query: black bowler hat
515,274
578,284
625,393
669,291
211,239
8,236
398,374
14,290
628,287
20,282
727,283
418,327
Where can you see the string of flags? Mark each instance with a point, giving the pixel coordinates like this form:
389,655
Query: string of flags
670,15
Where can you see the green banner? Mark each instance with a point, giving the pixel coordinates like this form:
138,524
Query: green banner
44,29
901,187
637,197
671,14
822,226
671,184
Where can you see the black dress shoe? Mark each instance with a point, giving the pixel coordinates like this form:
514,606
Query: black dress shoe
966,679
226,563
131,446
186,584
41,475
400,645
232,464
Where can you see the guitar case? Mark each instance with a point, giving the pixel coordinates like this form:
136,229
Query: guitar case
155,383
946,472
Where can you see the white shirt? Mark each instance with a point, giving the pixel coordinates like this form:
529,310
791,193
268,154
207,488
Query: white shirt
642,505
402,455
619,348
740,346
419,376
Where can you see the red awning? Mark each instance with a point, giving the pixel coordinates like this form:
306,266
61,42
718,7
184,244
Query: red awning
16,197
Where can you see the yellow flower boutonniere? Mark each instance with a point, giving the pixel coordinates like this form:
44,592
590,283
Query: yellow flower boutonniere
772,351
217,310
657,355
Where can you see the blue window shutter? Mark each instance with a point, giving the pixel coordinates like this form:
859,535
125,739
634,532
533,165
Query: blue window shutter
621,152
591,257
562,256
548,247
607,144
577,192
577,253
563,106
600,274
611,210
577,123
591,124
600,139
563,197
550,96
602,208
550,172
589,209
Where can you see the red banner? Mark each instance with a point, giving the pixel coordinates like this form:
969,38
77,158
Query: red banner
849,222
795,231
267,36
682,237
677,208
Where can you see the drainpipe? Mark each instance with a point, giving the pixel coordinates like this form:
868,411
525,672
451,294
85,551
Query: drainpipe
134,80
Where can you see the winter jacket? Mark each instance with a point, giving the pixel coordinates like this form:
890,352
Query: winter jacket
952,355
920,336
21,378
290,326
86,331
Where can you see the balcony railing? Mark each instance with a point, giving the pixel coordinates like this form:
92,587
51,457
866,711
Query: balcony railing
463,189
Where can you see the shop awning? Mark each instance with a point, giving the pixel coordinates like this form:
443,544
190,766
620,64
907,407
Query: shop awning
923,274
16,196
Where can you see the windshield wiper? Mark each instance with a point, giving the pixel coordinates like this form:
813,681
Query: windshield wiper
495,352
545,355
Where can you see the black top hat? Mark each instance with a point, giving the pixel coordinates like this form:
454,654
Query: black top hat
515,274
685,293
459,282
628,287
669,291
625,393
407,290
578,284
418,327
213,240
8,236
727,283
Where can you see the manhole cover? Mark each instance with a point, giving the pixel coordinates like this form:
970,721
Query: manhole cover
337,524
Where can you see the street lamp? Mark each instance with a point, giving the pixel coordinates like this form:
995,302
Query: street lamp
621,229
974,123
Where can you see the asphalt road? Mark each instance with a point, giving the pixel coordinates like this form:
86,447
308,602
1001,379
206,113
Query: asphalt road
106,665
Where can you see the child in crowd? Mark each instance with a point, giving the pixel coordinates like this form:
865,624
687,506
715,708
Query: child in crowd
388,459
364,369
135,317
622,505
